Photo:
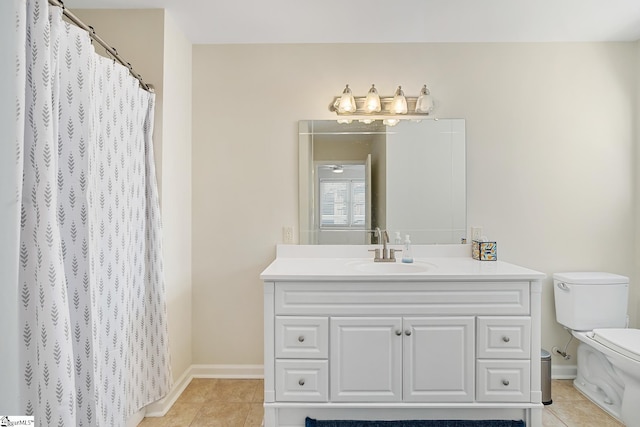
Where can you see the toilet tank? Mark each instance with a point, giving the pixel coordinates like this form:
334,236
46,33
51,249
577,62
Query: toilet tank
588,300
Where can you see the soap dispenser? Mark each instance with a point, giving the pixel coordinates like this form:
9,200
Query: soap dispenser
397,240
407,253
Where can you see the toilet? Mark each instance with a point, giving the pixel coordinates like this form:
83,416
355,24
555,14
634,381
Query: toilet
593,307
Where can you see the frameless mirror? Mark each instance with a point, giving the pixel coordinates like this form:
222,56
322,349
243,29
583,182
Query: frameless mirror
406,179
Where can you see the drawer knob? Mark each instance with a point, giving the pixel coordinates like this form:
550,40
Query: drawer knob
407,332
398,332
301,338
301,381
506,339
505,382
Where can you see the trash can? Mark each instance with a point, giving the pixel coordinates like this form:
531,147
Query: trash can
545,370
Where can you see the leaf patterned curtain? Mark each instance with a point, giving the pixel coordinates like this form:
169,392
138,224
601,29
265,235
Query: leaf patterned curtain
92,301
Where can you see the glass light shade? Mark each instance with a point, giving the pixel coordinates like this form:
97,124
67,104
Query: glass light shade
366,121
424,104
344,121
390,122
372,102
399,103
347,103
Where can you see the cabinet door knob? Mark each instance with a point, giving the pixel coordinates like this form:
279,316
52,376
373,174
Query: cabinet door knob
505,382
506,339
398,332
301,381
407,332
301,338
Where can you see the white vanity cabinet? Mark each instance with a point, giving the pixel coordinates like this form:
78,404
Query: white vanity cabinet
392,359
460,346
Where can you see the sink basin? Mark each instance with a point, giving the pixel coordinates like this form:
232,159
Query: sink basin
391,267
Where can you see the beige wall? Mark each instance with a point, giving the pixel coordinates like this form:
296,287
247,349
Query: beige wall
550,149
150,40
176,191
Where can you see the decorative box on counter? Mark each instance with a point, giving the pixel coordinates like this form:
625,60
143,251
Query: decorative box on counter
484,251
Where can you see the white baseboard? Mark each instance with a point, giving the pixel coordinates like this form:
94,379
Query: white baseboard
227,371
564,372
136,418
162,406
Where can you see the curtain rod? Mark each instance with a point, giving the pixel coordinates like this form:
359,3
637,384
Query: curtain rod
112,51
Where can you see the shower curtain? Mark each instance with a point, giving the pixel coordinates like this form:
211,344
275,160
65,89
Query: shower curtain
92,303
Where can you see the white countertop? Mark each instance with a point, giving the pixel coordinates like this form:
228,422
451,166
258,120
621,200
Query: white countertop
352,263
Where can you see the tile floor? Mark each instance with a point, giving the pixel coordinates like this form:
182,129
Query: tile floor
215,402
227,403
571,409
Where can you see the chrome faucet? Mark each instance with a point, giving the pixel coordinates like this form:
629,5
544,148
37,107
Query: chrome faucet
388,255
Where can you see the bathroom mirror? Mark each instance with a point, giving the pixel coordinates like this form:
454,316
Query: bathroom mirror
406,179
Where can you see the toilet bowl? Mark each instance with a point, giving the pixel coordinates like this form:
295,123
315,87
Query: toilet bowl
609,374
593,307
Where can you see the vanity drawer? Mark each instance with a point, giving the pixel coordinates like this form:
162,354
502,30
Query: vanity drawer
302,337
503,381
505,337
302,380
402,298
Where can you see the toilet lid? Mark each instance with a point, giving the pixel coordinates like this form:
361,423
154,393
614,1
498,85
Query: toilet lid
624,341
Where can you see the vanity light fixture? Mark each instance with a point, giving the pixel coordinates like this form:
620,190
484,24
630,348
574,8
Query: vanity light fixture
372,102
424,104
371,107
347,103
399,103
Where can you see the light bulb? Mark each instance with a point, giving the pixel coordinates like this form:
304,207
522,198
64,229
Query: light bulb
347,103
399,103
424,104
372,102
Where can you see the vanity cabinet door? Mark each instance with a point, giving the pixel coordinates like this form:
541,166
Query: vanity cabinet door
439,359
366,359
